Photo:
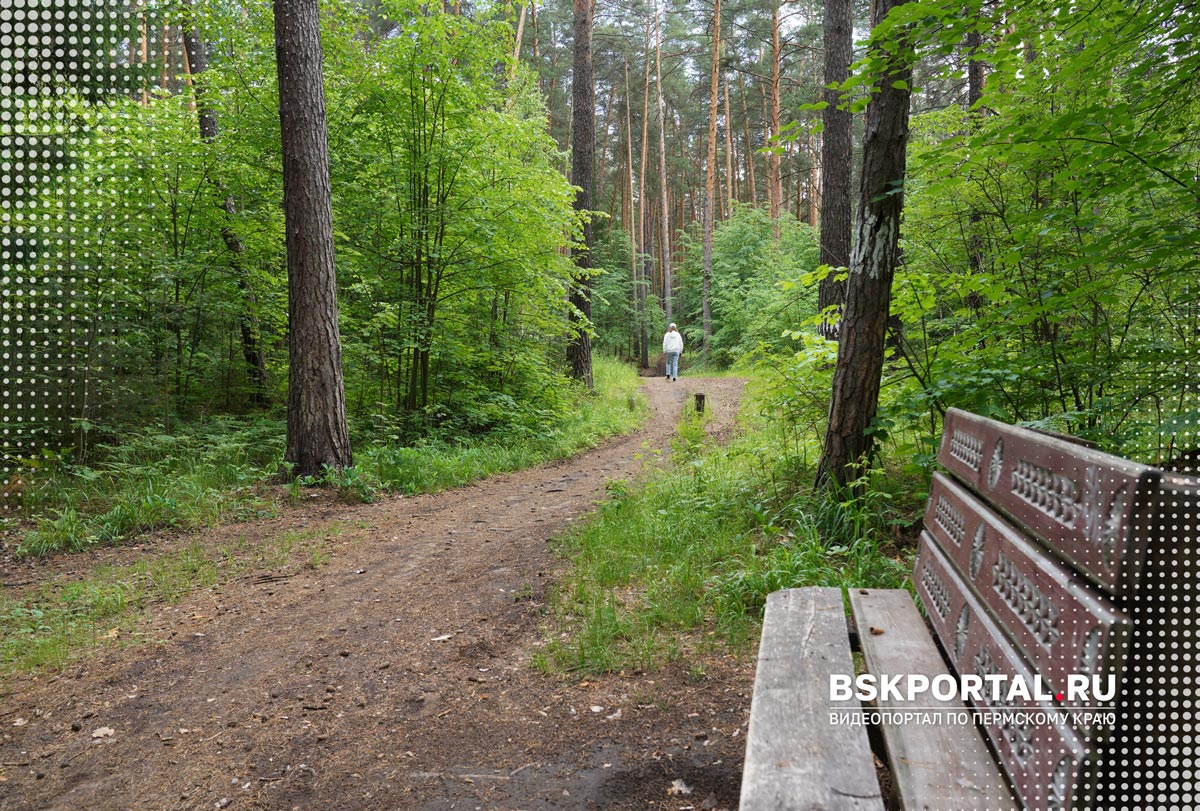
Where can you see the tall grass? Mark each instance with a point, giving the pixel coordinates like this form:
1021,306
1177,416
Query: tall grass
210,472
691,553
201,475
615,408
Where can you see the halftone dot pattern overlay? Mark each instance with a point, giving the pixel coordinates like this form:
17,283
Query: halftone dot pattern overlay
65,67
1047,562
1152,759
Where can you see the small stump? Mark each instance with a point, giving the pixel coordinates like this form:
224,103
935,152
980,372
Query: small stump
699,402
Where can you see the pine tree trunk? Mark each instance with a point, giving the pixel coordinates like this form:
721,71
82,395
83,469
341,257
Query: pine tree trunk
856,378
776,178
836,162
710,177
749,148
603,156
517,41
316,433
665,228
643,245
641,351
729,181
583,151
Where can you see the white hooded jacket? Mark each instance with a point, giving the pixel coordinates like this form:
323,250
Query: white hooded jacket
672,342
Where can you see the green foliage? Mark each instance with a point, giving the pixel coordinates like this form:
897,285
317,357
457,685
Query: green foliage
617,322
1051,245
450,219
760,285
616,407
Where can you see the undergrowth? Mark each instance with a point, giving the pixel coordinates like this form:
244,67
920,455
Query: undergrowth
209,473
688,555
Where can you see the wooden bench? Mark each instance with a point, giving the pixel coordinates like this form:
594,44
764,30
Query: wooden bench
1039,557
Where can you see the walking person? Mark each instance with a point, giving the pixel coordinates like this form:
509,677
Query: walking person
672,349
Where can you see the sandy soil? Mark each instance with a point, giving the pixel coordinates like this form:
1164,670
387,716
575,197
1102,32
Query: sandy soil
396,676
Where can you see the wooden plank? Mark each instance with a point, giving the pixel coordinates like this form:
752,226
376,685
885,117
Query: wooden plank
1048,763
945,765
796,758
1082,504
1060,624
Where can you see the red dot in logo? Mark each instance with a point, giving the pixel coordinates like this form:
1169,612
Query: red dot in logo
1058,696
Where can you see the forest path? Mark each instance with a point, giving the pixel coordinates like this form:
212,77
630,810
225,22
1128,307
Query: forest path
396,676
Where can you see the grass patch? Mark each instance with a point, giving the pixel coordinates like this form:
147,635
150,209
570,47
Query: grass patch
688,557
45,628
208,473
616,407
202,475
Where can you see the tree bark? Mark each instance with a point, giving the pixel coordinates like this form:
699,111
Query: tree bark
317,437
603,156
517,42
643,246
749,149
730,192
583,151
641,351
665,229
710,177
857,375
836,162
776,171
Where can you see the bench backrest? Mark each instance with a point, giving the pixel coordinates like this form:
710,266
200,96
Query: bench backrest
1034,552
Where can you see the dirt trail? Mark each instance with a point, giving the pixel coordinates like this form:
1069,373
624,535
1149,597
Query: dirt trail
396,676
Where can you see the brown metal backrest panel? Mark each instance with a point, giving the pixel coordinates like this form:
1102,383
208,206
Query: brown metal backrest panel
1048,763
1083,504
1060,625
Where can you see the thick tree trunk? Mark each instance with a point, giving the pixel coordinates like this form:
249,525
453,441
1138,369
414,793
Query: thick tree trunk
665,228
583,151
316,433
197,62
710,177
856,378
836,162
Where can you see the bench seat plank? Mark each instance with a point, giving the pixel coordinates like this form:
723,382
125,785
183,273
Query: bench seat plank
796,760
944,765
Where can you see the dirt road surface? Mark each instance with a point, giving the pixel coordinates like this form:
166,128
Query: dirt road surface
395,676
